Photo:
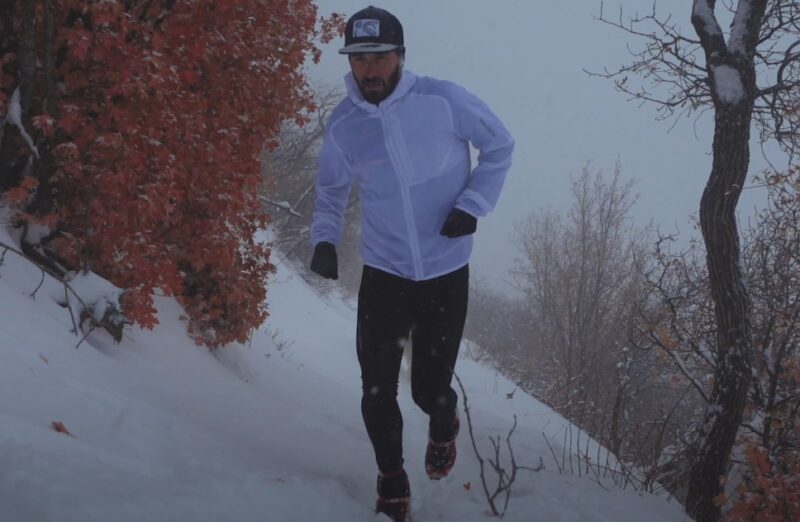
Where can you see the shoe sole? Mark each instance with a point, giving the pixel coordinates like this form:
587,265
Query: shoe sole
438,475
398,517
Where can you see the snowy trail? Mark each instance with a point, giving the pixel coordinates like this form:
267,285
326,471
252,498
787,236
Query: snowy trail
166,431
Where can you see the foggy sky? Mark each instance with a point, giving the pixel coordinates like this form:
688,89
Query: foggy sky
525,58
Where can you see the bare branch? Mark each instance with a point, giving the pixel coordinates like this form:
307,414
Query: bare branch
504,479
282,205
109,323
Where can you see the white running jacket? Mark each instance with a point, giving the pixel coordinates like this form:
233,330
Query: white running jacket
410,157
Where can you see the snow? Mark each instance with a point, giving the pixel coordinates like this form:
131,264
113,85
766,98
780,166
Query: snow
736,43
36,232
703,10
164,430
95,292
728,84
14,117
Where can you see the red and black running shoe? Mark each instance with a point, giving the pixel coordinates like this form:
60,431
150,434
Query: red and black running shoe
394,496
441,456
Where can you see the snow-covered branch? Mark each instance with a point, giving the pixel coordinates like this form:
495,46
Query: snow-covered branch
743,31
285,205
14,117
684,369
705,23
96,300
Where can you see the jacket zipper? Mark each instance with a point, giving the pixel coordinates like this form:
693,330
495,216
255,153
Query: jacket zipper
395,146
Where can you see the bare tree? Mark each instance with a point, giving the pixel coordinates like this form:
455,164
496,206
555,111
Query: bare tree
721,70
289,162
772,261
580,275
289,166
577,343
585,290
495,323
681,324
772,264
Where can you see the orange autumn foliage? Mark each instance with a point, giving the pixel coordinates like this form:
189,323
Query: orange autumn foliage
770,491
163,109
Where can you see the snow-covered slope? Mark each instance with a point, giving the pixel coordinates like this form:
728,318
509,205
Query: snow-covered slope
162,430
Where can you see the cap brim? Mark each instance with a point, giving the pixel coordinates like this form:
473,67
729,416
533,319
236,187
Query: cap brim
364,47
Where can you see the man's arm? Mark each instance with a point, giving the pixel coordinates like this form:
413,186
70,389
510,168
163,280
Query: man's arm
334,180
477,123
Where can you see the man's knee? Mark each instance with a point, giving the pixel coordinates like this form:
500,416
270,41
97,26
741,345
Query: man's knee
379,392
428,399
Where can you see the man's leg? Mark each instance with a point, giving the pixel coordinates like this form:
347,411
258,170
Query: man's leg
384,324
439,314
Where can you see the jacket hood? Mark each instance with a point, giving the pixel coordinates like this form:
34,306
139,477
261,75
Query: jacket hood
407,80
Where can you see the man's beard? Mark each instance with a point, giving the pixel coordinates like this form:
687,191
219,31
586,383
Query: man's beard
376,96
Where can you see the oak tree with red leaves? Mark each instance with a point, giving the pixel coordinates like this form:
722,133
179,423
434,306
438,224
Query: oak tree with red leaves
140,125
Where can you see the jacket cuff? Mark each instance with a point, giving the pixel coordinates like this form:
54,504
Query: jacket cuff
318,236
473,203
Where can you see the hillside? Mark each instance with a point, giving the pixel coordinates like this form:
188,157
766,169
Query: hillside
163,430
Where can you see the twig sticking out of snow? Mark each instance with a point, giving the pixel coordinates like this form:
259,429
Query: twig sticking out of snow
504,479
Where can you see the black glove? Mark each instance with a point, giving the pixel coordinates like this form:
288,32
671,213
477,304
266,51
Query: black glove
325,262
459,223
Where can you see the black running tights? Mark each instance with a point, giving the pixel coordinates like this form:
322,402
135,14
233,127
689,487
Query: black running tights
391,308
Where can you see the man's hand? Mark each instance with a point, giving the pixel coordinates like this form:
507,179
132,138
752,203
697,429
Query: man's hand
459,223
325,262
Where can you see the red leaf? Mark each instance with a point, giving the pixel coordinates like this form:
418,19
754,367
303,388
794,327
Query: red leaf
189,77
17,195
45,123
59,427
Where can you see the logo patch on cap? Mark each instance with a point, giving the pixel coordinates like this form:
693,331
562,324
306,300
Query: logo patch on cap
366,28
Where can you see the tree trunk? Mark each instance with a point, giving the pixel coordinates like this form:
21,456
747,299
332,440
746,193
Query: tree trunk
50,58
27,57
734,343
42,200
727,65
7,8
